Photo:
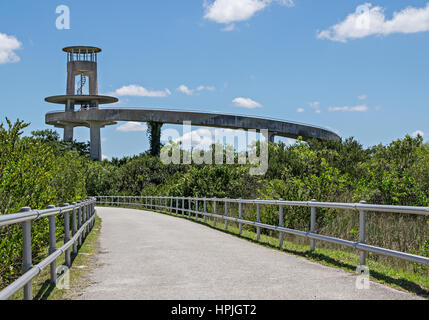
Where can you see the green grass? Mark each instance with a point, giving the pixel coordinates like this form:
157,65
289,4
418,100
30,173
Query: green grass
347,260
79,279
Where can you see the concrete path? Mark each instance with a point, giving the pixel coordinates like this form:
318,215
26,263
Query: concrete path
146,255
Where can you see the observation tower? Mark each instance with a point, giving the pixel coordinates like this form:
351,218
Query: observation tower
82,110
82,95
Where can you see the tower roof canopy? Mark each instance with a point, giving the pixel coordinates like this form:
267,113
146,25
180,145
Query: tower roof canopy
82,49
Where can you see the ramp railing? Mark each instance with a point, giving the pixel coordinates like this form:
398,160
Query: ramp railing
177,205
82,221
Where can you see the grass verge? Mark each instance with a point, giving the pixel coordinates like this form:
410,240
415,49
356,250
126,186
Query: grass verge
82,263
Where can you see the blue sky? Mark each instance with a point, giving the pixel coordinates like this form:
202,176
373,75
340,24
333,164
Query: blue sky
359,69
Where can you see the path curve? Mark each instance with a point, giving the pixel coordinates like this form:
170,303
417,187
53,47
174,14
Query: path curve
147,255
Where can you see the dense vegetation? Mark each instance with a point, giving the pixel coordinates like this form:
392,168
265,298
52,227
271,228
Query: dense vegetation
40,170
35,171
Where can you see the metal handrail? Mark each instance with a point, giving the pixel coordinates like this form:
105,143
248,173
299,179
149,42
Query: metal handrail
161,202
83,215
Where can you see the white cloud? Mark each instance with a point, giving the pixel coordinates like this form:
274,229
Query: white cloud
246,103
208,88
139,91
229,11
300,110
418,132
8,44
132,127
314,104
362,97
369,20
103,157
228,28
359,108
202,137
184,89
205,137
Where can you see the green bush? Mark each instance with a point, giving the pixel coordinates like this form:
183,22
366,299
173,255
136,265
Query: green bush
34,172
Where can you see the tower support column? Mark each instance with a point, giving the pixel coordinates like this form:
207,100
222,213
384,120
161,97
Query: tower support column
68,133
155,137
95,142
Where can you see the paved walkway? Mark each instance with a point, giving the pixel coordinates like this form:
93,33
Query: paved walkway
146,255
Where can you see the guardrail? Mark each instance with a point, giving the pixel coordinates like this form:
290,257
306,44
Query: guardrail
82,221
177,205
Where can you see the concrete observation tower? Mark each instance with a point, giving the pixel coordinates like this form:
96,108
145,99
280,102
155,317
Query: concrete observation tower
82,95
82,89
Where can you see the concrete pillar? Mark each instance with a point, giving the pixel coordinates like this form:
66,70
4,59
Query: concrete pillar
271,136
70,105
68,133
70,80
93,81
95,143
155,137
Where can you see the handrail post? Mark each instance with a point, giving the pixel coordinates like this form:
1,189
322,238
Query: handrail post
226,214
313,226
52,245
85,218
79,221
196,209
258,219
92,214
362,233
177,205
27,262
240,216
214,211
205,210
281,224
183,206
67,235
190,207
